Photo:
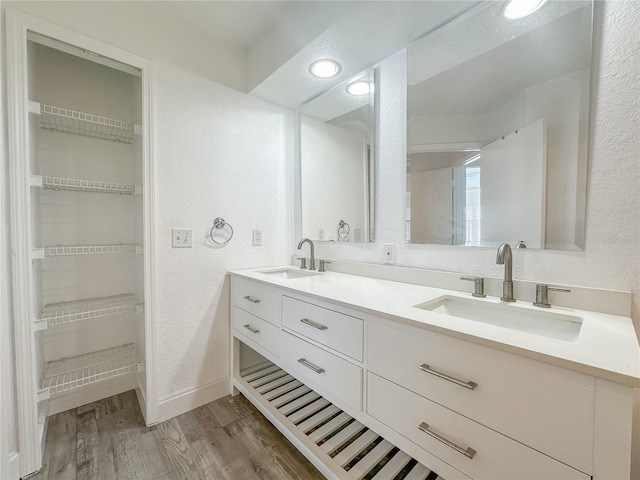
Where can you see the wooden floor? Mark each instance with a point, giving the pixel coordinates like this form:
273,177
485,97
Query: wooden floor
226,439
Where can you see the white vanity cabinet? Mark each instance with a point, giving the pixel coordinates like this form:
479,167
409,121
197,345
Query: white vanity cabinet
549,408
461,408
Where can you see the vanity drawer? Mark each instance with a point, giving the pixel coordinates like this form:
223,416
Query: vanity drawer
256,298
330,374
473,449
257,330
338,331
547,407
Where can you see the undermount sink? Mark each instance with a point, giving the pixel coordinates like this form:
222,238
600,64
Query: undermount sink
547,324
289,273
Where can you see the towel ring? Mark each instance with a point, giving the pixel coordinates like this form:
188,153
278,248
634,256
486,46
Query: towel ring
343,230
218,224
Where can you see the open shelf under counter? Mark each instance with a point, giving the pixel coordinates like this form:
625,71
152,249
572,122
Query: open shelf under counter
345,447
62,376
62,313
82,185
71,250
59,119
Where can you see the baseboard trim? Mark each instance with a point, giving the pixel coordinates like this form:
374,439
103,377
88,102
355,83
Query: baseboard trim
187,400
13,466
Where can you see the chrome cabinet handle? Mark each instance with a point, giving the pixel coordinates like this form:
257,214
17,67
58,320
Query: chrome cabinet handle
252,300
467,452
313,324
426,368
311,366
251,329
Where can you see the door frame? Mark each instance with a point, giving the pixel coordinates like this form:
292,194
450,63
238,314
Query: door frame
31,439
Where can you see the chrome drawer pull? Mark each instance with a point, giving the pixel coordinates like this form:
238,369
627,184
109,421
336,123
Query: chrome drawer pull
310,365
426,368
467,452
313,324
251,329
252,300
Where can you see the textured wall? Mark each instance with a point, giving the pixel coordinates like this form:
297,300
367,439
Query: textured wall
219,153
611,258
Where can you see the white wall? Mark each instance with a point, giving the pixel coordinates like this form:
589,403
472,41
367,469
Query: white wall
332,179
611,258
218,152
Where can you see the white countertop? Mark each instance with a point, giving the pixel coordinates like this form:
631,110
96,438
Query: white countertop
606,346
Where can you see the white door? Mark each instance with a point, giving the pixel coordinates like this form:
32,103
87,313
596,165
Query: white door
512,182
431,206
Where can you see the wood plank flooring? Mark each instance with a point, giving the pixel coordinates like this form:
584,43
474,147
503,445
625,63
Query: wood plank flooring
227,439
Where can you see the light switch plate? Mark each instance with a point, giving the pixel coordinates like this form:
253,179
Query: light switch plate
181,238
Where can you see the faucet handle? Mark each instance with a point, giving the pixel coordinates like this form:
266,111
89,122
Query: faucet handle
478,286
322,264
542,294
303,263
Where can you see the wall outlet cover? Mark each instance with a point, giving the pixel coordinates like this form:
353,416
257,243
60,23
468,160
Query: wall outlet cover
181,238
257,238
389,254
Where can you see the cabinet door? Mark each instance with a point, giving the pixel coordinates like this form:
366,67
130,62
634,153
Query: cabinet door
336,330
256,330
325,372
475,450
547,407
256,298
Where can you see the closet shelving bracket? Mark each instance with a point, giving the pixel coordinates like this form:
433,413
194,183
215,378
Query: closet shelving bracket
61,119
64,375
80,185
71,250
55,314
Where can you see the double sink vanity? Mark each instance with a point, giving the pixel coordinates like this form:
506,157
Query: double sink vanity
472,388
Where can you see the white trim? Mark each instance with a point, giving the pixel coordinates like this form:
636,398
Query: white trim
149,228
17,25
443,147
26,376
13,466
191,398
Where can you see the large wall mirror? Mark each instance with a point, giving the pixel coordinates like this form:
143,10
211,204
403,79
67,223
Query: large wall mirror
497,129
336,163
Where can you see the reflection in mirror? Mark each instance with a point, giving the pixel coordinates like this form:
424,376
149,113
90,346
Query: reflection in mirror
336,163
497,128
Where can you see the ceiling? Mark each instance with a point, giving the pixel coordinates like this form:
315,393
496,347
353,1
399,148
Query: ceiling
282,38
236,23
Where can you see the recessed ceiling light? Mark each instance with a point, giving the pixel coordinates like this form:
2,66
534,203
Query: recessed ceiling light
324,68
359,87
521,8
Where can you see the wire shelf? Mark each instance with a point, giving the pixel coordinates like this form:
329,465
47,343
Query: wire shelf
69,373
59,119
59,183
66,250
69,312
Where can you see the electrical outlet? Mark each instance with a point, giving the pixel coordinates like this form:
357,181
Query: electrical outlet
389,254
321,234
181,238
357,234
257,238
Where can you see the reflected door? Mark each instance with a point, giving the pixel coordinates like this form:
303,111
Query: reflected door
512,185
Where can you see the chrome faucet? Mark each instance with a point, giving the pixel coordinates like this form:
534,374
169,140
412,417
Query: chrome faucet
312,261
504,257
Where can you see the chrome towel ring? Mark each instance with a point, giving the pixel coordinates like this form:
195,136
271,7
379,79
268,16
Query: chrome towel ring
219,224
343,231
